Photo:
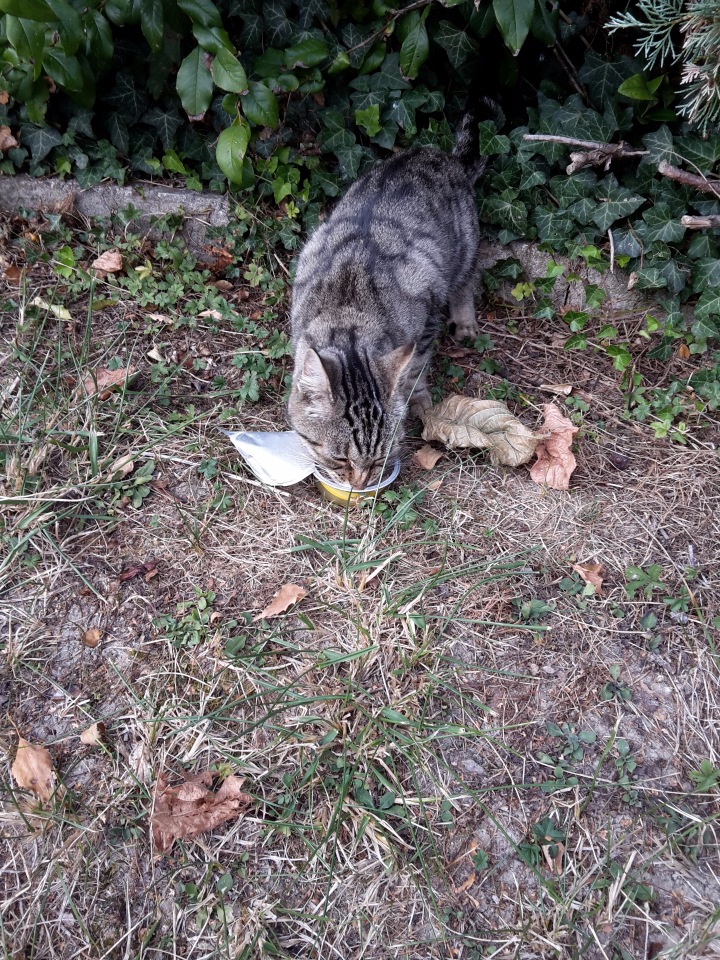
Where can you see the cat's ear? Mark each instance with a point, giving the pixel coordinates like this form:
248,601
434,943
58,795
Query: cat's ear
316,376
395,365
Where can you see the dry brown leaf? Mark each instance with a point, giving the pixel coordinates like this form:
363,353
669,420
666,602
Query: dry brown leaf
683,351
554,863
466,884
109,262
107,380
485,424
591,573
4,97
215,314
147,569
92,637
427,456
122,467
32,770
94,735
435,485
154,354
13,275
159,317
555,460
7,140
190,808
286,596
565,389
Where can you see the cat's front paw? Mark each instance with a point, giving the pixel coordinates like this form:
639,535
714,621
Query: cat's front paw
420,403
467,326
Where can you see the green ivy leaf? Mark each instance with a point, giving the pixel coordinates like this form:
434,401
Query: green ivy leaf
228,72
661,224
455,42
615,202
702,152
279,29
128,98
28,38
203,12
602,77
28,10
369,119
195,83
166,123
40,140
506,211
567,190
152,22
706,274
415,48
260,106
649,278
65,71
119,133
230,150
308,53
492,143
514,18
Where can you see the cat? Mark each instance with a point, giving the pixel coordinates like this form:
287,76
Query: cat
370,287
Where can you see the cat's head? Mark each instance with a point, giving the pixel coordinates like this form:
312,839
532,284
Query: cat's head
348,408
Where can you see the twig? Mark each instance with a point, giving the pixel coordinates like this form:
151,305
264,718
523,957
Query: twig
690,179
396,14
567,65
612,251
594,152
711,221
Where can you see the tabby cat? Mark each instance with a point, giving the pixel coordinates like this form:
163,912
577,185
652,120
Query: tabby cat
370,288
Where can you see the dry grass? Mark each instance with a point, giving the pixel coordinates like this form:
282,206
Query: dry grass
393,728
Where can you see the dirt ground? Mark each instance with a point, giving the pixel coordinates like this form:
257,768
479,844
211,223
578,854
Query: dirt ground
452,749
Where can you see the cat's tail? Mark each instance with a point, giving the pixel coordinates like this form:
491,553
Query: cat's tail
466,147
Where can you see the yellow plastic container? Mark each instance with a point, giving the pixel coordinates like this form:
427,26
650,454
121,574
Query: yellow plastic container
344,494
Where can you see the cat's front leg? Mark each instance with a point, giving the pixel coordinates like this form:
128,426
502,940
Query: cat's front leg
462,313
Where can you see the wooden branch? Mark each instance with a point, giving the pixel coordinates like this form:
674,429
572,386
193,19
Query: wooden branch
712,221
689,179
594,153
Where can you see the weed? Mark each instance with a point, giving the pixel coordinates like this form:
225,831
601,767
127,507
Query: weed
706,777
615,689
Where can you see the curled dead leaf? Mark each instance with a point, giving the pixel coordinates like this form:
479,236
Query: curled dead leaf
215,314
13,275
466,884
94,735
92,637
563,389
484,424
122,467
554,862
7,140
103,381
592,574
33,770
555,460
427,456
109,262
288,595
191,808
62,313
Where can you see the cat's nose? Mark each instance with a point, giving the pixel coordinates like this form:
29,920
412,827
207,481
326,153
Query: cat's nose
359,479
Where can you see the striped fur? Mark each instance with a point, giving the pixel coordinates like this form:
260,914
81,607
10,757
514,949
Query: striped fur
370,287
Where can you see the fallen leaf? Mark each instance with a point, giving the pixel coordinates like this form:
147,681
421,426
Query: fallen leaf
435,485
103,381
91,637
4,97
554,863
32,770
154,354
466,884
683,351
13,275
555,461
122,467
109,262
153,572
149,567
159,317
7,140
221,284
427,456
565,389
632,280
62,313
215,314
190,808
94,735
286,596
485,424
591,573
